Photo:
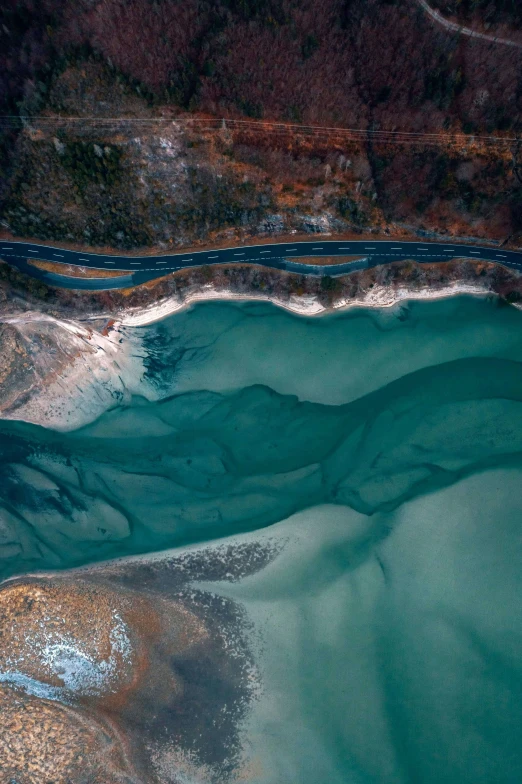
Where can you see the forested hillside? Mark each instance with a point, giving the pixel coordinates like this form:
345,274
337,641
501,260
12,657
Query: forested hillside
368,64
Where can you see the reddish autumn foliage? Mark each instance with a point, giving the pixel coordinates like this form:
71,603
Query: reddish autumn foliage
344,62
367,64
488,12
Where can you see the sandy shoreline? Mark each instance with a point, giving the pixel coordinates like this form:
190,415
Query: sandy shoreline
378,297
107,369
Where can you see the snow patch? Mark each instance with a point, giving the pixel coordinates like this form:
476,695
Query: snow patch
82,672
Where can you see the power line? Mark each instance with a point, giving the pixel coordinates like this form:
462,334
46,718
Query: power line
268,126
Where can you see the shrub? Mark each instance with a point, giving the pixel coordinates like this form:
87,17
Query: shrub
329,284
87,162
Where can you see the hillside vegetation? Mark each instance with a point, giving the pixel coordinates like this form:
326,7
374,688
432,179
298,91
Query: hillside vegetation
370,64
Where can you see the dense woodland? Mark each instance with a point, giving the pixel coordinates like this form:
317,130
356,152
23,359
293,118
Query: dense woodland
373,64
483,12
334,61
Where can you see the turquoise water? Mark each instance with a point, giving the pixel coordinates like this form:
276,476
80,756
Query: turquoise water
263,414
381,452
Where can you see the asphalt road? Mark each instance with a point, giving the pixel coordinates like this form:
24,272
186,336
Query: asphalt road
280,255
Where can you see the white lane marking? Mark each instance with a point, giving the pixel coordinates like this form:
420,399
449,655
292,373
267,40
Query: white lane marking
135,262
265,251
476,252
289,249
422,248
187,259
239,254
429,255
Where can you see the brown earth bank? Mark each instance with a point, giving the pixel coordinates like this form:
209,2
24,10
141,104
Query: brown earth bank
72,271
368,64
44,742
324,261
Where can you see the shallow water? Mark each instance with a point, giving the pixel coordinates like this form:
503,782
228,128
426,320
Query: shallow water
380,454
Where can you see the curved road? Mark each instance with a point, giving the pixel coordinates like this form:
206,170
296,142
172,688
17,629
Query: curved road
279,255
453,27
